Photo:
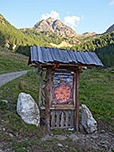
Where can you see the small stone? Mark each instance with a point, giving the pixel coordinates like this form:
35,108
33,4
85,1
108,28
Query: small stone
60,145
71,129
11,135
4,129
52,135
102,131
94,137
104,146
5,101
104,142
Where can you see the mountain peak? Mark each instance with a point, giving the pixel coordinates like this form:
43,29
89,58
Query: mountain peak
56,26
50,19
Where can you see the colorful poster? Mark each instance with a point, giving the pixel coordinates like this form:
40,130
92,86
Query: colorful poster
62,88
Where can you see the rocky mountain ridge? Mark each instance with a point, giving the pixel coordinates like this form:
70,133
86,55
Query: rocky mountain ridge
89,33
110,29
49,32
55,26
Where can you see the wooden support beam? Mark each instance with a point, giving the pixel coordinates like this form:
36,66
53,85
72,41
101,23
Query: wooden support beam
77,101
48,97
40,89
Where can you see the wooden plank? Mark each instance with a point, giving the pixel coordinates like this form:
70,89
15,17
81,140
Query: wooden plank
51,84
74,94
72,118
62,120
58,118
42,97
62,127
52,119
67,118
40,89
52,108
77,101
63,107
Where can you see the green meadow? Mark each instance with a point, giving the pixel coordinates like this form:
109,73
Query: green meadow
12,62
96,91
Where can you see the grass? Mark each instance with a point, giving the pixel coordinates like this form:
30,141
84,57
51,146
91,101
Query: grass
96,91
12,62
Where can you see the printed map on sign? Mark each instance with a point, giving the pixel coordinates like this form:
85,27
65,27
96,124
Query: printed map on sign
62,88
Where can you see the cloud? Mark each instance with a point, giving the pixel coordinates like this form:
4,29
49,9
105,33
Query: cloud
111,3
53,14
72,21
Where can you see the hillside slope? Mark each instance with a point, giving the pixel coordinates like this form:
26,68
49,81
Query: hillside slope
110,29
12,37
12,62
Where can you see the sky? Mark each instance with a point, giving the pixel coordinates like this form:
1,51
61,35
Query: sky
81,15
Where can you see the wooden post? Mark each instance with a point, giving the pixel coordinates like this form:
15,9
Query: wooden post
74,92
77,101
40,89
48,97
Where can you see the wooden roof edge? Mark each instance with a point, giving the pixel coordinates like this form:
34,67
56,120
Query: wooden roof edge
57,65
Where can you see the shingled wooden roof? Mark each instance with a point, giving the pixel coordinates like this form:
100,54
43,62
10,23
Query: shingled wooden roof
43,55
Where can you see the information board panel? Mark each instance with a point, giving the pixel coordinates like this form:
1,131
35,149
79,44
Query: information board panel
62,88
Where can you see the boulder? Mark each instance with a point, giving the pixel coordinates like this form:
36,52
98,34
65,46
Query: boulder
87,120
28,109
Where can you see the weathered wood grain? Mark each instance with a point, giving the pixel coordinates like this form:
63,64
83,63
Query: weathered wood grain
52,118
62,119
77,101
40,89
47,98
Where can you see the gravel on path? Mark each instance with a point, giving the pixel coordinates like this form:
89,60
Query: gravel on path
5,78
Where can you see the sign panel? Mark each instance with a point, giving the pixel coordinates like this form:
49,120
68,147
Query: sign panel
62,88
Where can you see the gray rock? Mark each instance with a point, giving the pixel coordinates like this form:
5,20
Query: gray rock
70,129
28,109
60,137
47,138
4,101
11,135
4,129
87,121
94,136
81,129
74,137
104,142
60,145
102,131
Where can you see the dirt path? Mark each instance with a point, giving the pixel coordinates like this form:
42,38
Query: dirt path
5,78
